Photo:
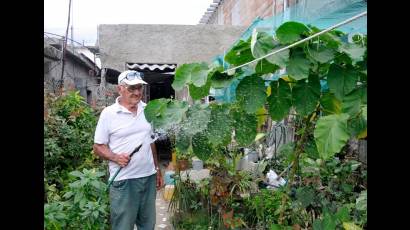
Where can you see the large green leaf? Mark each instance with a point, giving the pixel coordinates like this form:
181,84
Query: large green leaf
330,104
328,222
221,80
305,196
251,93
357,126
183,76
306,95
343,214
341,81
76,174
197,119
264,67
220,127
330,38
154,109
201,146
342,59
195,73
262,44
311,150
298,67
246,71
323,70
182,141
174,113
321,54
199,92
280,100
317,225
245,128
165,117
331,134
353,101
199,74
240,53
280,58
355,51
290,32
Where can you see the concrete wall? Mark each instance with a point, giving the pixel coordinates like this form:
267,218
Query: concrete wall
163,43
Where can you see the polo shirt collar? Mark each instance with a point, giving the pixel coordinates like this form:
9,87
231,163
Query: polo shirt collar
120,108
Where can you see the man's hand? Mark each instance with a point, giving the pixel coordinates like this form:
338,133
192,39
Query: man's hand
160,180
122,159
104,151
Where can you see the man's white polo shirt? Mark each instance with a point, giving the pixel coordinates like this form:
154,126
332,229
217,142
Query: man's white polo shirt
123,131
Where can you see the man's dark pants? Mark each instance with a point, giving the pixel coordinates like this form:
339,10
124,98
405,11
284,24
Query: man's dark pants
133,202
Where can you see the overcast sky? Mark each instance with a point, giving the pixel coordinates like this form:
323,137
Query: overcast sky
87,14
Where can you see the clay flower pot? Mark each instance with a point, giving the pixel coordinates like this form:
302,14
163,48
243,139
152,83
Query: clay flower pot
182,165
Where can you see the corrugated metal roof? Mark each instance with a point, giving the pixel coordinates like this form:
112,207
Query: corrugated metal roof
210,11
51,52
152,67
90,55
82,53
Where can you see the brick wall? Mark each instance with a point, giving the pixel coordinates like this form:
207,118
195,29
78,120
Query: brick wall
248,10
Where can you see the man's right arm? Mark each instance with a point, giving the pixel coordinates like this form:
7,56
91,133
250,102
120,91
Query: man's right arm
103,151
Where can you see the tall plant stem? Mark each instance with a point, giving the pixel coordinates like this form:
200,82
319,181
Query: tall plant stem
298,150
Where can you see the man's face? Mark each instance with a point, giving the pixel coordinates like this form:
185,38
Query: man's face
131,94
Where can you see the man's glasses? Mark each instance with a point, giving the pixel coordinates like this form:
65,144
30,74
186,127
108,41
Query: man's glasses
132,75
132,88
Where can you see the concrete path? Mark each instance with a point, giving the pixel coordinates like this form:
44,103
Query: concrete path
163,217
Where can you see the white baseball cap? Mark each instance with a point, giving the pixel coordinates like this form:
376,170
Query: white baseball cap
131,77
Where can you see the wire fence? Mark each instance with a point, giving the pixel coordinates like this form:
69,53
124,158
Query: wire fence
282,133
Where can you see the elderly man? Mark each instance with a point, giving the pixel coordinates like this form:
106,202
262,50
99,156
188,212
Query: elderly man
120,129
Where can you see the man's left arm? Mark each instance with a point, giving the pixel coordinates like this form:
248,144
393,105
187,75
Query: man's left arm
160,180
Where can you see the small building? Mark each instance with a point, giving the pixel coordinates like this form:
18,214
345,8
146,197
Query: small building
81,69
156,50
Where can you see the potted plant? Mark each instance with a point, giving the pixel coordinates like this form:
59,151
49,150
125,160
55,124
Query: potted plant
179,159
182,159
